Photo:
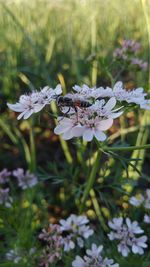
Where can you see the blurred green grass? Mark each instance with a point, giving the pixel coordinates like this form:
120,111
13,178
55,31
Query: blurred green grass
44,42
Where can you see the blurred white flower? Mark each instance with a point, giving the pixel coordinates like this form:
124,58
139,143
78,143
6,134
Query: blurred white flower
25,179
94,258
5,199
126,233
146,218
147,199
4,174
35,101
136,200
13,255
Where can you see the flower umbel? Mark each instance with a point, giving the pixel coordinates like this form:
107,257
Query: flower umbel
25,179
94,258
126,233
35,101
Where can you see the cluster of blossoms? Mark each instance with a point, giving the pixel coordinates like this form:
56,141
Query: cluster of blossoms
126,233
35,102
142,200
87,112
94,258
128,51
25,180
63,237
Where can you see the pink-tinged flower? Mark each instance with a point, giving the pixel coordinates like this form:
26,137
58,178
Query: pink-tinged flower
67,127
25,179
4,174
34,102
5,199
94,258
127,53
54,245
89,122
143,65
147,218
126,233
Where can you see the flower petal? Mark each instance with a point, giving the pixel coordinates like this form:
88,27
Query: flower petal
105,124
88,134
100,136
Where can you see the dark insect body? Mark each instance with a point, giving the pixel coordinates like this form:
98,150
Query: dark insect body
64,101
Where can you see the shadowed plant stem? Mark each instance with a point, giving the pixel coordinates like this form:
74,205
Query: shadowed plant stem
129,148
91,180
97,210
32,149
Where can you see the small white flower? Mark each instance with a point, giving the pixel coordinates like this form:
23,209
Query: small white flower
136,201
77,229
27,105
5,199
12,255
25,179
147,199
94,251
147,218
136,96
35,101
4,174
123,249
126,233
133,227
138,244
78,262
93,258
68,243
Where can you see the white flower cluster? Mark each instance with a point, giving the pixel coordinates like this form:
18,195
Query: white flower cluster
25,179
64,237
126,233
141,200
35,101
76,229
94,258
87,112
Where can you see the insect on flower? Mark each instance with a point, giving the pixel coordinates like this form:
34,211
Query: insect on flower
65,101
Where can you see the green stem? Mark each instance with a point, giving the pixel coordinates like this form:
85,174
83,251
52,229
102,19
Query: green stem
32,149
129,148
90,181
97,210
